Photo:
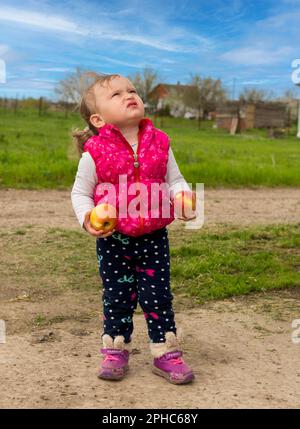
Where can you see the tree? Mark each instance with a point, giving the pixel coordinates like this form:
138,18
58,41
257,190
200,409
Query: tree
69,90
144,82
290,94
204,94
253,95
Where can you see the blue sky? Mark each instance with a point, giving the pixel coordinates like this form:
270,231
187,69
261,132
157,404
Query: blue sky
244,43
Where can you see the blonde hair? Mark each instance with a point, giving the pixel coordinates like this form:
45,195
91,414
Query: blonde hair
87,107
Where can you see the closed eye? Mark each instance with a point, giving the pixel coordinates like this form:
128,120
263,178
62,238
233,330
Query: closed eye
117,93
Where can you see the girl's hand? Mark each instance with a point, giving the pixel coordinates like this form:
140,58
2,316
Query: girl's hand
192,214
87,225
187,218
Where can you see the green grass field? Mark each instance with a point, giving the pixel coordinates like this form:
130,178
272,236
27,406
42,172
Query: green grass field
204,266
37,152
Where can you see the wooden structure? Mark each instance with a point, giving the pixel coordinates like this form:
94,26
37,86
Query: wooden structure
241,116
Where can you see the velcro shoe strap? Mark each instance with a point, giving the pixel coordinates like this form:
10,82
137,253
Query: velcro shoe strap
106,351
173,355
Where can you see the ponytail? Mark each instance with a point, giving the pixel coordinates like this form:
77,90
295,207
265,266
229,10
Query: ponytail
80,137
88,80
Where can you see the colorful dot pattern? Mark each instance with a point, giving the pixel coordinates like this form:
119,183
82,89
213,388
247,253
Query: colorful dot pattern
136,270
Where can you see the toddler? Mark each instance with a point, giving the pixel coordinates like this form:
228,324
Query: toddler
120,149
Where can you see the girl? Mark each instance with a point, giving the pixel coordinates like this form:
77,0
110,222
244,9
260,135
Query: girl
120,145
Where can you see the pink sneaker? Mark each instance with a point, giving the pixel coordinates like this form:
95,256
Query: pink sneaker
173,368
114,365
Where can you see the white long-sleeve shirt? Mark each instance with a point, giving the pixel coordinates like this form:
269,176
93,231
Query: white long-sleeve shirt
82,194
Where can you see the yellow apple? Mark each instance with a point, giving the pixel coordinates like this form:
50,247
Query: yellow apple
104,217
185,203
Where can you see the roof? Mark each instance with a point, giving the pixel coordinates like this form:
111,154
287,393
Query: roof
163,90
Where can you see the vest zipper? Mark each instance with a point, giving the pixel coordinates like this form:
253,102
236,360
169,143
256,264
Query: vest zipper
136,165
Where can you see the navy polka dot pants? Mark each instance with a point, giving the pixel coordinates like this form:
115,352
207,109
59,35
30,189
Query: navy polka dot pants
136,269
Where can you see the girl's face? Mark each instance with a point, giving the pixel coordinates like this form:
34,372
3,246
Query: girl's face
117,103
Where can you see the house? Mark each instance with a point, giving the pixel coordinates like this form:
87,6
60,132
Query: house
168,96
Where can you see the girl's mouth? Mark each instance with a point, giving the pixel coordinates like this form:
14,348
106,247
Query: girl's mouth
132,104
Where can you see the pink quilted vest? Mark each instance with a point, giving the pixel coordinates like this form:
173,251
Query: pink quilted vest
131,181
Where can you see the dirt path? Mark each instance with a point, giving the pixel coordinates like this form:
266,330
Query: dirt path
241,350
239,207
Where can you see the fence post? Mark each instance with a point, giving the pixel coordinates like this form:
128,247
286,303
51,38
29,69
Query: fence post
40,106
15,105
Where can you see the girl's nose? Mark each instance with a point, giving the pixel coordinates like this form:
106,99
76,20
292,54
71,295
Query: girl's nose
129,98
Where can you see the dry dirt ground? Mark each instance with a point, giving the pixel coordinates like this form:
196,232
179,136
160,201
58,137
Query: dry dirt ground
241,349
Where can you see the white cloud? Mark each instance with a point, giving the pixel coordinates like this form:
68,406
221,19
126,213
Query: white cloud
257,56
26,85
43,80
256,82
167,61
271,41
57,69
172,39
36,19
3,49
122,63
286,21
146,41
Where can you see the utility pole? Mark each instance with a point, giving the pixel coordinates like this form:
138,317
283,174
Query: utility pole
233,89
298,133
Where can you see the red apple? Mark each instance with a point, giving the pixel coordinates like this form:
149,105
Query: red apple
185,203
104,217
